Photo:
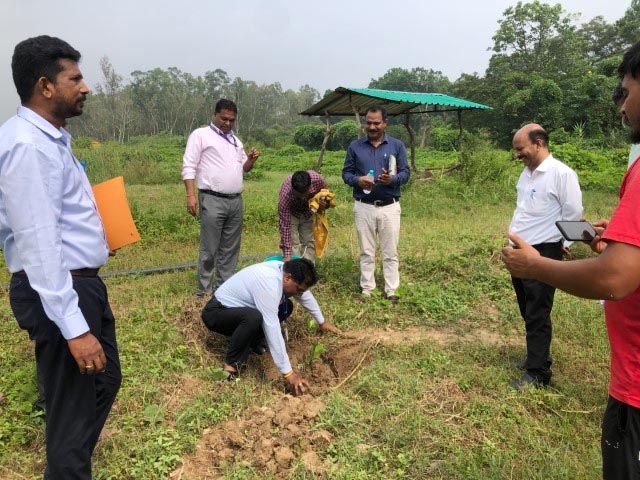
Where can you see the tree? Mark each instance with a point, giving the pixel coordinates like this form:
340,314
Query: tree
417,79
170,100
110,112
628,27
539,38
600,39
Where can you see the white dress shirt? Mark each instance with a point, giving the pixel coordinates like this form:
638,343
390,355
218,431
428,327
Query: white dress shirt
548,194
259,286
215,160
49,222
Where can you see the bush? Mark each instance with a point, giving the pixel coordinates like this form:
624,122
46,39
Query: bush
309,137
82,142
269,137
484,165
447,139
559,137
399,132
344,132
596,168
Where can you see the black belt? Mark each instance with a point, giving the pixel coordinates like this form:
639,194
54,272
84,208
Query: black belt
221,195
379,203
80,272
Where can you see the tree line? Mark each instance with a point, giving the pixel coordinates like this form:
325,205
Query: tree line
546,67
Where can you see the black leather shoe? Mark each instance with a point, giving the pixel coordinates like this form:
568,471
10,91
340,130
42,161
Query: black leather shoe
394,299
527,380
259,349
521,365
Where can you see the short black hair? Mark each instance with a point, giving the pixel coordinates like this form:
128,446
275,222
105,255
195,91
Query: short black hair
224,104
539,134
303,271
38,57
301,181
377,108
630,62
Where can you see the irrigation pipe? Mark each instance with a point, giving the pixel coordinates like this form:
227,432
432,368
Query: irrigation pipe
165,268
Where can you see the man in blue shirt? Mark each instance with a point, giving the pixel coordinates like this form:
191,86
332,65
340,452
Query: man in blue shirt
54,243
377,202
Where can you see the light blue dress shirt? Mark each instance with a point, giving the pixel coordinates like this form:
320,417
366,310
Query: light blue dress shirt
259,286
49,222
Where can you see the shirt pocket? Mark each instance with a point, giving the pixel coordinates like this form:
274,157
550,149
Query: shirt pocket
538,201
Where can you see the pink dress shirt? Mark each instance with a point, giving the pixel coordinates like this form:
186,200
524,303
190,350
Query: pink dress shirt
214,161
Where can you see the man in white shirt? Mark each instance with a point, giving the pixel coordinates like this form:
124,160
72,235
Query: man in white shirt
250,305
54,243
548,191
215,160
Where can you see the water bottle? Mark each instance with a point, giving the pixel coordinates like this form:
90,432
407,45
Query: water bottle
370,177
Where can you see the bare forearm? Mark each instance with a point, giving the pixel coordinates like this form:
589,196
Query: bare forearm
190,186
589,278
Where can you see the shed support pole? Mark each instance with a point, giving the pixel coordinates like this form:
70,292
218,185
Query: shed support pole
460,131
325,142
412,142
356,112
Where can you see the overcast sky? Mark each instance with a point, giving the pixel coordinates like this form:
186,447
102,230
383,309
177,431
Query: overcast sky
325,44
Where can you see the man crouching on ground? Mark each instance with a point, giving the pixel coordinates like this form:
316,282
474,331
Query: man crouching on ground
249,307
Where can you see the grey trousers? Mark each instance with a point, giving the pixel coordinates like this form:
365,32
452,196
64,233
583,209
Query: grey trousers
302,237
220,235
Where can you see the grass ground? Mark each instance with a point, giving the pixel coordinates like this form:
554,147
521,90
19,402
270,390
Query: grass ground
421,388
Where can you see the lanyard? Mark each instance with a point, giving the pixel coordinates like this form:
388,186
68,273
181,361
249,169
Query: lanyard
232,141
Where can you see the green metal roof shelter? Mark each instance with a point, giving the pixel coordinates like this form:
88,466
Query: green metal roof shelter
355,101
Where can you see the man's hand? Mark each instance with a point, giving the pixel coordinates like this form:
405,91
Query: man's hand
253,154
192,205
286,258
520,258
296,384
598,244
328,327
385,178
323,204
88,354
365,183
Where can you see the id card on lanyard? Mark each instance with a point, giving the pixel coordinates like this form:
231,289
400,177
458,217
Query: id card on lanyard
229,138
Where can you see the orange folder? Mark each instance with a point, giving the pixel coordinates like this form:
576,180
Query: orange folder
113,207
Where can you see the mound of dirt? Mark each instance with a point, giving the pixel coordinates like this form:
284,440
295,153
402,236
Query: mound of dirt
268,439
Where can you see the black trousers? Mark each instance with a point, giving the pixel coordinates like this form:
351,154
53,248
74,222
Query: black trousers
535,301
620,441
77,405
242,324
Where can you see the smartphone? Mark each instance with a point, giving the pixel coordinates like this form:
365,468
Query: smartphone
576,231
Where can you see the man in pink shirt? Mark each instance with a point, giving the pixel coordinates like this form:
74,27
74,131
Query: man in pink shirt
215,161
614,275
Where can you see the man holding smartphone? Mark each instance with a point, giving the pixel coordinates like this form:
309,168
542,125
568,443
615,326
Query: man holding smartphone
615,276
377,200
548,191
